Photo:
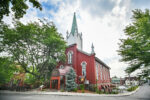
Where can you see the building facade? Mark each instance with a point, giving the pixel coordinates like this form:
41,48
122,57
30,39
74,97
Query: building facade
87,65
131,81
116,81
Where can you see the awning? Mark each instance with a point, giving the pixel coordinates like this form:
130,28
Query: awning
64,71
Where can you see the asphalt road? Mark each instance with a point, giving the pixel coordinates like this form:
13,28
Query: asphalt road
142,94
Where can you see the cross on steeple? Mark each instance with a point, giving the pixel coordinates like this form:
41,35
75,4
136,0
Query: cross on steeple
74,28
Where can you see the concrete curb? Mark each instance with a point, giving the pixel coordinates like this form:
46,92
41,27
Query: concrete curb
68,93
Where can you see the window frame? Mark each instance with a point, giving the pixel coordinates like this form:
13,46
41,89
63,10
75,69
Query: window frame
83,65
70,57
97,73
101,71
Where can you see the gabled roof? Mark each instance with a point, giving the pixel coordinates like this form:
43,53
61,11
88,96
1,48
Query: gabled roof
89,54
84,52
98,60
80,50
71,45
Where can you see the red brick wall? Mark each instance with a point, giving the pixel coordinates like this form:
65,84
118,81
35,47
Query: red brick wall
90,69
79,57
105,72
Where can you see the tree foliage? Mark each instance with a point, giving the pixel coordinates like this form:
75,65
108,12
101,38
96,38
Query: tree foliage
7,68
135,49
19,7
36,46
70,80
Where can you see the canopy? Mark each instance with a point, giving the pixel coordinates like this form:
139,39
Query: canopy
64,71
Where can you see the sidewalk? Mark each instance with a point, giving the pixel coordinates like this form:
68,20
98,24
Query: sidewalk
66,93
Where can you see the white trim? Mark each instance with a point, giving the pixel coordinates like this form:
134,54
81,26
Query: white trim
97,74
70,57
83,65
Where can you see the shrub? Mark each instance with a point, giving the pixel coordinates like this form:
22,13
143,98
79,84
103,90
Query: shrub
83,90
75,90
92,88
97,91
132,88
100,92
114,92
81,86
29,79
62,90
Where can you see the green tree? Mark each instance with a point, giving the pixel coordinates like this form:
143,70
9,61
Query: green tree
70,80
135,49
37,46
7,68
19,7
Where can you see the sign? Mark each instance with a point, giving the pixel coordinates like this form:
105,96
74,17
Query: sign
86,82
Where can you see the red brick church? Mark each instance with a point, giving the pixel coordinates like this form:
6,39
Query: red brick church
86,65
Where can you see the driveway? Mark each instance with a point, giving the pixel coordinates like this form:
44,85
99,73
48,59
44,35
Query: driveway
142,94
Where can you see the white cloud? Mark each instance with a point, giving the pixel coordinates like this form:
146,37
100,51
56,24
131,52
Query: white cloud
103,25
118,68
103,30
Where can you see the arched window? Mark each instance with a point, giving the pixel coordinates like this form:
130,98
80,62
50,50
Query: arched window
96,71
83,64
70,55
61,67
104,73
101,68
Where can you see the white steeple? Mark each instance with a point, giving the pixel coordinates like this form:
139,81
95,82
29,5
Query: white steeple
74,37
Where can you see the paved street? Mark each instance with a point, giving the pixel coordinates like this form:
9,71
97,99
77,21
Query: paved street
142,94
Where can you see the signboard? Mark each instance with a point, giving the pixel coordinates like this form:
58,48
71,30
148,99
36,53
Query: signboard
86,82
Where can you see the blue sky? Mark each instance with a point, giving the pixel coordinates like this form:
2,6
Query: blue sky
100,21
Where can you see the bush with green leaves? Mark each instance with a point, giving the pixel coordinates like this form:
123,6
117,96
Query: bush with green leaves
75,89
29,79
62,90
81,86
7,69
132,88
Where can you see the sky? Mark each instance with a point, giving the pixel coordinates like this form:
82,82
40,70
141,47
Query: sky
101,22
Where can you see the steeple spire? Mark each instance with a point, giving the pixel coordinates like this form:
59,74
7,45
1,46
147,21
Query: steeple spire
74,37
74,28
92,47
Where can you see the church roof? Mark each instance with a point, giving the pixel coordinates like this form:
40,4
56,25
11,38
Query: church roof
89,54
74,25
97,59
84,52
